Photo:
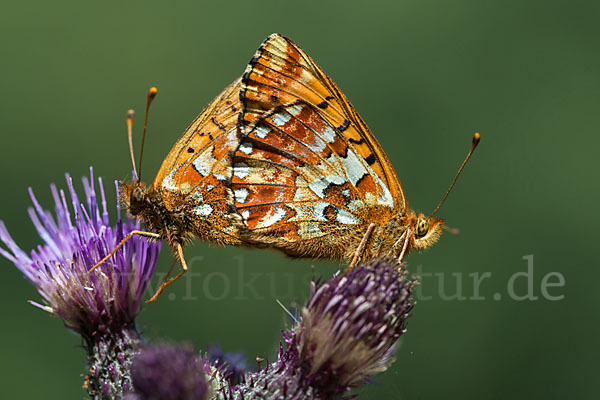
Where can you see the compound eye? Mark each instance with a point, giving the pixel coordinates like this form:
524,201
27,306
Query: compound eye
422,227
137,195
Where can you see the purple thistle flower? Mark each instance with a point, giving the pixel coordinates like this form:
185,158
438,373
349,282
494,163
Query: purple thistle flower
74,242
100,306
348,332
351,325
169,373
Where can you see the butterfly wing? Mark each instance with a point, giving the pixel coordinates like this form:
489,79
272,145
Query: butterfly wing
193,177
308,176
280,73
300,186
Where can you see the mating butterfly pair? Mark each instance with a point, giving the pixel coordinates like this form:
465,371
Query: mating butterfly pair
281,159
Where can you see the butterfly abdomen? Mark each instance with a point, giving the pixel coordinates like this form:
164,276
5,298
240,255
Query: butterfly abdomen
296,242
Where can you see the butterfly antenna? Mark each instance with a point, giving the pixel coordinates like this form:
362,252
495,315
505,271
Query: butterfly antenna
474,144
452,231
130,115
151,94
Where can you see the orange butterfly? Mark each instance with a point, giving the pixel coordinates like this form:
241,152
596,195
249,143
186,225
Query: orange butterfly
309,177
281,159
190,196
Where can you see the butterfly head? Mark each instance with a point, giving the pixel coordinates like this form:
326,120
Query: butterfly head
425,230
134,196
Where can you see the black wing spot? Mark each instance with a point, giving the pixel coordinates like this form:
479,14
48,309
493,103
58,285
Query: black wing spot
370,159
253,60
322,105
274,99
329,98
190,150
354,141
344,126
330,213
220,125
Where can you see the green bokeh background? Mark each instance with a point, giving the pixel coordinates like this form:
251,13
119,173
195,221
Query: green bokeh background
424,75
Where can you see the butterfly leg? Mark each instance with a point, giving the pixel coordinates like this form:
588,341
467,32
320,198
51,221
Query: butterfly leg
361,246
166,281
125,239
168,275
405,246
162,285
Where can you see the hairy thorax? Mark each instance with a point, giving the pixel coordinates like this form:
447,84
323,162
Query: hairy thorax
179,217
408,232
147,205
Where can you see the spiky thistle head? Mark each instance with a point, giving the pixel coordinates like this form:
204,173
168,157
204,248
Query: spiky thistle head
167,372
348,331
75,239
351,325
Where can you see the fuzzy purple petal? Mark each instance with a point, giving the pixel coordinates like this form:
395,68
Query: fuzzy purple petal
348,332
75,238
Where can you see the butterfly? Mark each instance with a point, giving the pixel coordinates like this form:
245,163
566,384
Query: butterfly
308,176
279,159
190,195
